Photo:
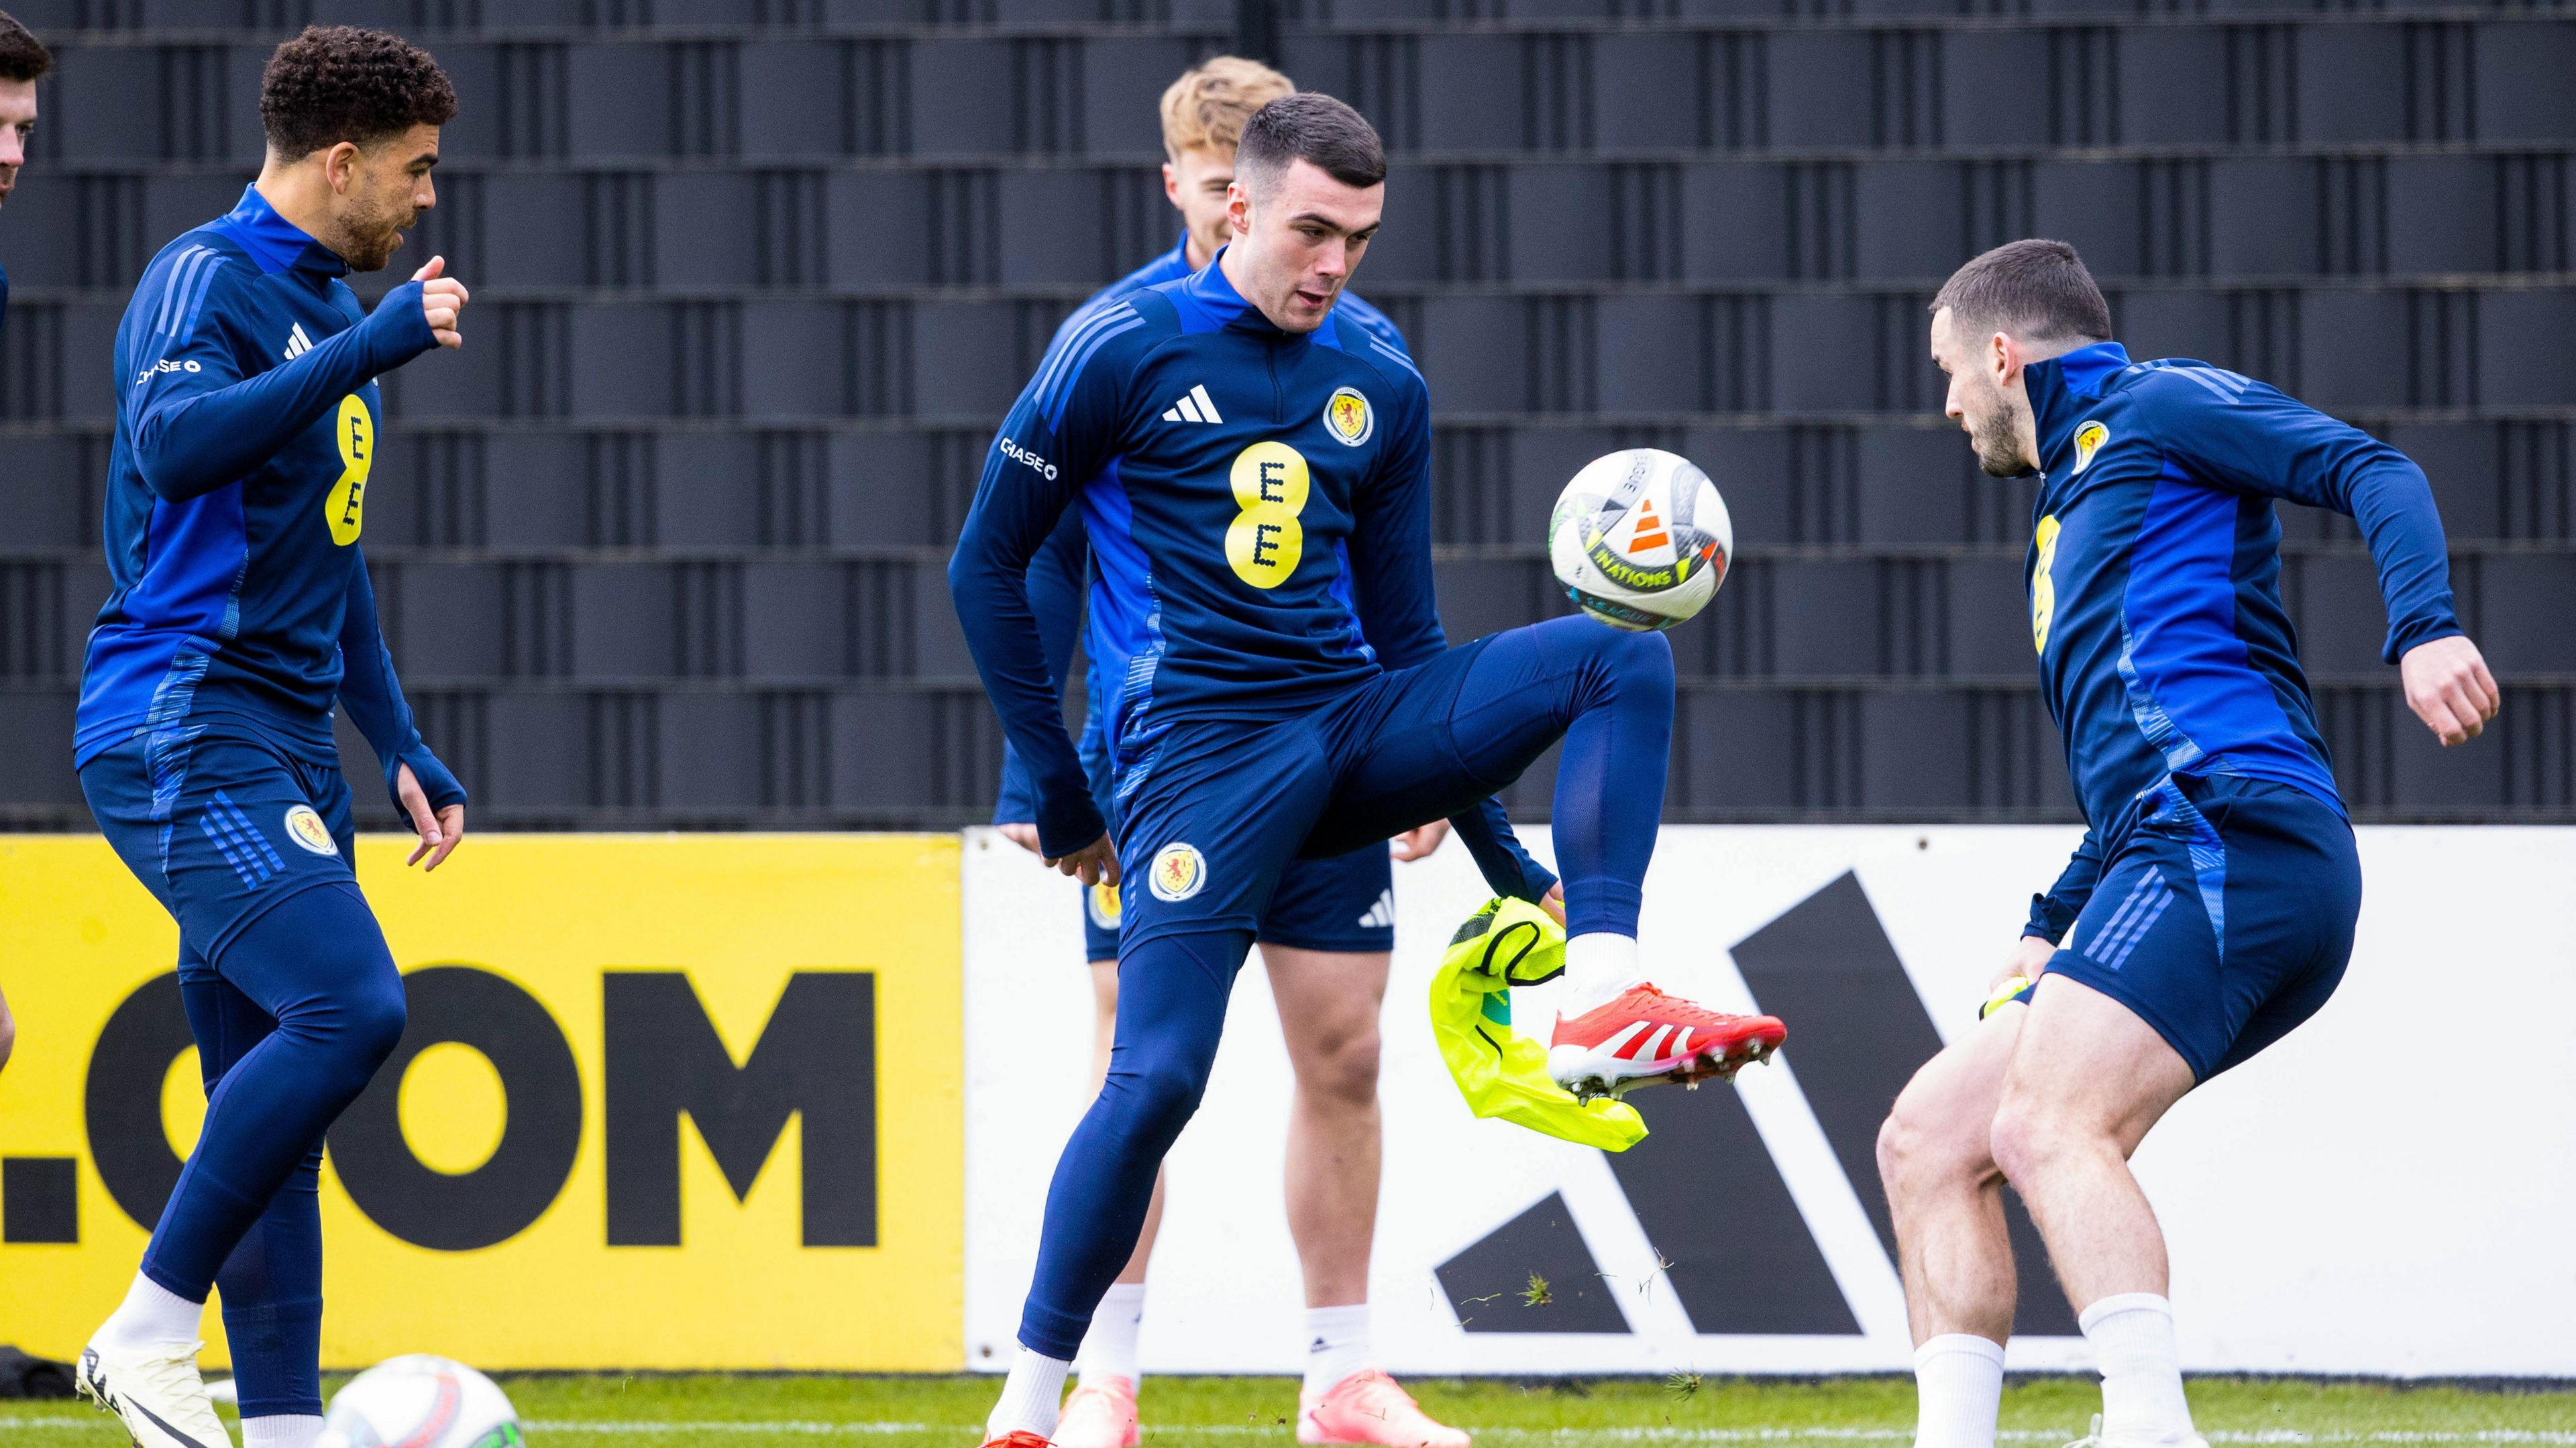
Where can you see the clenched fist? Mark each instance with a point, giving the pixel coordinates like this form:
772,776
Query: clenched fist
2449,688
442,301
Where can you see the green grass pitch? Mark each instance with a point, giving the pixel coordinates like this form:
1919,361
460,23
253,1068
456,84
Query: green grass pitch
720,1411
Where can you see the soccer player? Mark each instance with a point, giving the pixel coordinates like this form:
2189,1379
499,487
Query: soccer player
23,60
2210,908
1324,937
246,428
1264,560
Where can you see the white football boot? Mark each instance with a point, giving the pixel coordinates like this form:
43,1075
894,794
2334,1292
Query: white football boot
156,1394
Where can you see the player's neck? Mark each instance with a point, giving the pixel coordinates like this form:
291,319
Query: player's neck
1233,265
299,194
1196,251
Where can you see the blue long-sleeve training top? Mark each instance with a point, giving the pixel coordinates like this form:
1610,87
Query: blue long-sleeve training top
1306,574
1059,573
2154,581
246,426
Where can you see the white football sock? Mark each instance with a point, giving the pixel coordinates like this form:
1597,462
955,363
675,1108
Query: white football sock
1958,1386
281,1430
1337,1345
1109,1349
1031,1396
1598,966
153,1317
2133,1342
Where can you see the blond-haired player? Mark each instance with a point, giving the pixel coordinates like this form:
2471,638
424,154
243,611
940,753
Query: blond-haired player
1324,938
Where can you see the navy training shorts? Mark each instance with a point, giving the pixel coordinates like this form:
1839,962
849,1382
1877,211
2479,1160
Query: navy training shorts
220,826
1342,903
2224,919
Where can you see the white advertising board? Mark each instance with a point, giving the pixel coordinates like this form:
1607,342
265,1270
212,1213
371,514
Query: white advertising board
2387,1191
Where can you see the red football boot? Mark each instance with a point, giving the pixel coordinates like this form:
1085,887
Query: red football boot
1018,1438
1645,1036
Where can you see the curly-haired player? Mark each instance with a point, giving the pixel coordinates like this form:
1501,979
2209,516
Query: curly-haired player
246,425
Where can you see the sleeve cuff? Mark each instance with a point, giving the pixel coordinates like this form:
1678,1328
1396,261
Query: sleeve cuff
2405,637
438,784
1065,830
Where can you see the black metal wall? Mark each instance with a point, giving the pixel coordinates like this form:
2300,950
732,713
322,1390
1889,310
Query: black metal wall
754,279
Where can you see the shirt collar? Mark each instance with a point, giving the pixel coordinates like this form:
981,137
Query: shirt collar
2064,387
1211,294
275,242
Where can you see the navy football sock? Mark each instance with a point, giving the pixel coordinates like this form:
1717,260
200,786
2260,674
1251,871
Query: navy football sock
272,1286
316,964
1172,992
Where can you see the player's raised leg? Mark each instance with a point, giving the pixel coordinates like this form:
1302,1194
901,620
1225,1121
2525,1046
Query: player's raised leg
1468,723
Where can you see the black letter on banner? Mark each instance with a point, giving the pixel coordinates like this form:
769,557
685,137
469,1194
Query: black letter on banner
541,1130
123,1098
816,1057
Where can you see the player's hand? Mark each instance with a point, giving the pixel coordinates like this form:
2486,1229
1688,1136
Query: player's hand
1418,843
1023,835
439,830
1553,902
1094,864
2449,688
2028,957
442,301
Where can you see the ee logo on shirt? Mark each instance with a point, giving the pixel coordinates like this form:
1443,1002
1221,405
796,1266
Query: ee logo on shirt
345,506
2043,583
1265,541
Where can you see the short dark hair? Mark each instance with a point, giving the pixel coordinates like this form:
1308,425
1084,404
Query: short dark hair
22,55
1312,127
2036,290
338,83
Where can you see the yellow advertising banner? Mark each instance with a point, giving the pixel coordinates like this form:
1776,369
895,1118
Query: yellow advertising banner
668,1101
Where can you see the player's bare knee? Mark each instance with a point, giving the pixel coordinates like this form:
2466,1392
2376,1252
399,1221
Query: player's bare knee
1342,1069
1931,1137
2029,1136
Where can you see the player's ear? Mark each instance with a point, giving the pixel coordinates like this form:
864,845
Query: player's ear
1238,208
1171,184
340,166
2004,357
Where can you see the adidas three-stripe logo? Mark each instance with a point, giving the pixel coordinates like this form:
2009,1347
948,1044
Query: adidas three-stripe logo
1380,916
297,344
1195,406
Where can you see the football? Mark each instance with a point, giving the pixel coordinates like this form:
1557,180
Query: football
420,1401
1640,539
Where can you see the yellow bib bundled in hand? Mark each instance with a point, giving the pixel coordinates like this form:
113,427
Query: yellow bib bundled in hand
1501,1073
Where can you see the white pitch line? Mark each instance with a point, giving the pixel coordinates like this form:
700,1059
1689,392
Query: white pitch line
824,1428
2499,1436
